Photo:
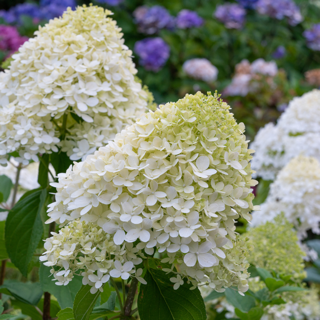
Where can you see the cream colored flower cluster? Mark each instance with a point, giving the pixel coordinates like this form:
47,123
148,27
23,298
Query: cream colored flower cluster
297,131
296,193
174,182
72,86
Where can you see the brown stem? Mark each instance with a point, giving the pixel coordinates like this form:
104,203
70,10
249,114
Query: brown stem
46,306
46,302
2,273
130,298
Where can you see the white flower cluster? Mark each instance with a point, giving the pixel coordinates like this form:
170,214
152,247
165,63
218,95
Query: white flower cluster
296,193
245,72
297,131
174,183
200,69
72,86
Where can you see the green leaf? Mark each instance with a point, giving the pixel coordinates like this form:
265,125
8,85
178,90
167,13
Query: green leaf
24,229
313,275
84,303
262,294
64,294
27,292
315,245
43,173
253,271
65,314
243,303
5,187
213,295
106,293
273,284
7,316
253,314
158,300
3,250
107,306
289,288
60,161
264,274
27,310
274,301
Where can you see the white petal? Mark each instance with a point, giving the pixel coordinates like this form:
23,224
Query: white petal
136,219
206,260
115,273
185,232
127,266
151,200
190,259
125,275
202,163
119,237
144,236
163,238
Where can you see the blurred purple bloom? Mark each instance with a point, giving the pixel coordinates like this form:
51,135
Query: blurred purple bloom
153,53
249,4
14,14
10,39
59,3
232,15
110,2
279,53
151,20
188,19
313,37
280,9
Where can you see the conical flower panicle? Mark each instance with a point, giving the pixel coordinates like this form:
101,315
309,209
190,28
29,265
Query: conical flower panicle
174,183
77,67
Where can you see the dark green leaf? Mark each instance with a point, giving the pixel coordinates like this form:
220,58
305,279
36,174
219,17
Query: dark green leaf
243,303
106,293
213,295
43,174
289,288
253,314
107,306
64,294
253,271
273,284
27,310
3,250
313,275
28,292
264,274
315,245
24,229
84,303
65,314
5,187
262,294
158,300
60,161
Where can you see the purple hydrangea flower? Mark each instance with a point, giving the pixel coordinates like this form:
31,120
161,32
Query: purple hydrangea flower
249,4
313,37
110,2
151,20
14,14
280,9
153,53
188,19
279,53
232,15
59,3
10,39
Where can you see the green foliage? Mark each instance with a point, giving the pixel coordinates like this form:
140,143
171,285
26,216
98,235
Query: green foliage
5,188
43,175
24,229
243,303
158,300
3,250
64,294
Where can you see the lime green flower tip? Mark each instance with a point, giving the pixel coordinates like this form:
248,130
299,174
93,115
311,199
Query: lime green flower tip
275,247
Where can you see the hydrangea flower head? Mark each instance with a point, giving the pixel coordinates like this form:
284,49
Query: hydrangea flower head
200,69
75,79
188,19
10,39
297,131
249,4
151,20
313,37
296,193
153,53
280,9
232,15
173,182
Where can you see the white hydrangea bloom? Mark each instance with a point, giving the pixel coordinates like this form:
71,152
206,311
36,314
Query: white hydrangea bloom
200,69
73,82
296,193
174,182
297,132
